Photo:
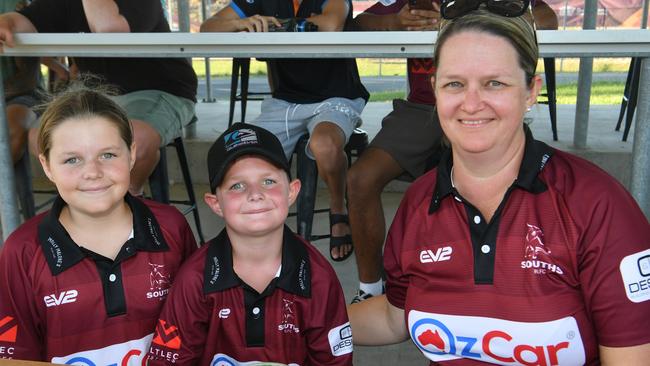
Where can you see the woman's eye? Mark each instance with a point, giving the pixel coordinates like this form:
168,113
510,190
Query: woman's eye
494,83
74,160
108,155
454,84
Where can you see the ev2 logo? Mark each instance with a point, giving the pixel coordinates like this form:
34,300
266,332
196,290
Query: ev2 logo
442,254
64,297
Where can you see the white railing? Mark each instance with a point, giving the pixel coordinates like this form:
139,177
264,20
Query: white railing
586,43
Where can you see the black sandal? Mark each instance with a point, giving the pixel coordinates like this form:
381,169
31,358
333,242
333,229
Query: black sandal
339,241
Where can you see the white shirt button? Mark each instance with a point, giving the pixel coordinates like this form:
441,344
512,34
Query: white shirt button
477,219
485,249
112,277
256,310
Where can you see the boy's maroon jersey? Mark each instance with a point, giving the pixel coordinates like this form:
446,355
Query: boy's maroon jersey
62,303
213,317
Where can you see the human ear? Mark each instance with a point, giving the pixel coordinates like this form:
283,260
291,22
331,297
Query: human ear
133,155
46,166
533,90
294,189
213,202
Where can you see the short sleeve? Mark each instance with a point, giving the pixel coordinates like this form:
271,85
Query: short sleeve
21,330
396,281
182,327
329,341
142,15
614,265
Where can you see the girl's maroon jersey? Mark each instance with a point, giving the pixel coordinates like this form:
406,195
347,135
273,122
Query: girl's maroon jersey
562,267
213,318
65,304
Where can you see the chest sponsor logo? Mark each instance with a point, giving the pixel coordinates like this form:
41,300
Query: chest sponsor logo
635,270
224,313
340,339
537,257
288,323
443,337
439,255
221,359
65,297
8,333
131,353
159,282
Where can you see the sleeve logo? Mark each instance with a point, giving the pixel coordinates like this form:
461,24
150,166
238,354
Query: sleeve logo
167,335
635,271
340,339
8,329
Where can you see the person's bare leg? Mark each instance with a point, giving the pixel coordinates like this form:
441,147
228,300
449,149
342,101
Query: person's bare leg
327,143
366,180
18,116
147,142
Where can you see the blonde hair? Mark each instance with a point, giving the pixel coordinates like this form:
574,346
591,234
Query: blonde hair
82,100
518,31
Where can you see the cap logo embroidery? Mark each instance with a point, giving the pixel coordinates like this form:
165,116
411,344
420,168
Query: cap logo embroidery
238,138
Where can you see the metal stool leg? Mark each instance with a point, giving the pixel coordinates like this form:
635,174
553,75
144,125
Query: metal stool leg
24,187
634,95
549,72
626,95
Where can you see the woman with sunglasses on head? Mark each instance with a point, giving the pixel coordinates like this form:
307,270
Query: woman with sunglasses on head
84,282
510,252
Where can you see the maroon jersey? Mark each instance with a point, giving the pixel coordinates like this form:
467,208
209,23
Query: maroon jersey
62,303
213,318
562,267
419,70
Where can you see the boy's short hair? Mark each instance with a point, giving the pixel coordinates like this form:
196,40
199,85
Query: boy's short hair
243,139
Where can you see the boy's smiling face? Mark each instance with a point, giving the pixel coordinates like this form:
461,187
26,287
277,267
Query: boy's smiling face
254,197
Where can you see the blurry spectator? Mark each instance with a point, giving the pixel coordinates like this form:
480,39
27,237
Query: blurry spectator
407,142
321,96
157,93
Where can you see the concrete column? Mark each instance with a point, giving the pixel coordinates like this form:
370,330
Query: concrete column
183,15
640,184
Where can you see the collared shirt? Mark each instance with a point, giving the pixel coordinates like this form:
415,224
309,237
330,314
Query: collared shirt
556,272
213,316
59,301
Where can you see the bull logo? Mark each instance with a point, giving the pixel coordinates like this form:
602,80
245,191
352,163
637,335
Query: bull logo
534,242
158,278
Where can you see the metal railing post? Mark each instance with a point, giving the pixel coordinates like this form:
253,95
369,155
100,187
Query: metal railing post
208,75
584,81
9,207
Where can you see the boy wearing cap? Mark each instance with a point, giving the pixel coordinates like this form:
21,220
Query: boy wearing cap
256,292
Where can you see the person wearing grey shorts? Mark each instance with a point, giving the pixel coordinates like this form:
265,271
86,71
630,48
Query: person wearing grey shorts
408,141
158,94
321,97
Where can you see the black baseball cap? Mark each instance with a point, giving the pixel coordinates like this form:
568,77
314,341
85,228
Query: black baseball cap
243,139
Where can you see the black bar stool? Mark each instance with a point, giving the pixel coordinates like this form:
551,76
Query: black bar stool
241,68
159,183
307,172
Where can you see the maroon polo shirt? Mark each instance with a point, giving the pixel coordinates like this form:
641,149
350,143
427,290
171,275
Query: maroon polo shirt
562,267
213,318
63,303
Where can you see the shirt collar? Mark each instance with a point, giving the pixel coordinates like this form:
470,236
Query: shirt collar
295,276
61,252
536,156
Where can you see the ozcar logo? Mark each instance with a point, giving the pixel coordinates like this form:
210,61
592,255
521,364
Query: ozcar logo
130,353
443,337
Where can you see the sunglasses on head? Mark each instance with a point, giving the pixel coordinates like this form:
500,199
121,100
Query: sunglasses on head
452,9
